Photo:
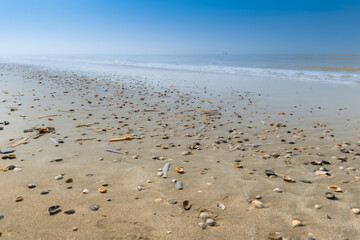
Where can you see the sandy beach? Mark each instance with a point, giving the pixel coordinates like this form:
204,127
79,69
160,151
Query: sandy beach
115,156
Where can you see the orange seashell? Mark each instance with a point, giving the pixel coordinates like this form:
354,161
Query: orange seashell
68,180
179,169
102,190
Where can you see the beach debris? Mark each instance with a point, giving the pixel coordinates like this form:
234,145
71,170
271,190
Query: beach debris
54,209
125,138
59,177
165,170
31,185
69,212
296,223
275,236
19,199
186,204
53,141
7,151
86,124
220,206
270,173
179,185
22,141
57,160
94,207
114,151
335,188
355,210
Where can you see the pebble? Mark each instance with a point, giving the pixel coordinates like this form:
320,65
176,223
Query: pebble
69,212
203,225
258,197
139,188
44,192
210,222
94,207
179,185
59,177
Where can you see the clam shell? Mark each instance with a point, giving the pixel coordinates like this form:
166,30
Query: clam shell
355,210
179,169
334,188
288,179
257,204
102,190
186,205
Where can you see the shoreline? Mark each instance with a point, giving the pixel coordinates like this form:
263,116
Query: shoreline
263,129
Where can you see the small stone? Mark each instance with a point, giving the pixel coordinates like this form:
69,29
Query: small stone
94,207
69,212
179,185
108,199
317,206
59,177
139,188
210,222
203,225
258,197
44,192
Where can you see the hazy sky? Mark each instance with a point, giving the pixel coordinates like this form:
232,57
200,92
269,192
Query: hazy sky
182,26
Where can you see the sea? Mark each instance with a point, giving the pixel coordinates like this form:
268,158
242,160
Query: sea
332,68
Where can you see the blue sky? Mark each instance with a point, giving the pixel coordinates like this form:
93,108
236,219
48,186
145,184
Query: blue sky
179,27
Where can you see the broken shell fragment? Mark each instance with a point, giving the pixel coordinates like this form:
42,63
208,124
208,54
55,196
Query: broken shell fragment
220,205
256,204
296,223
334,188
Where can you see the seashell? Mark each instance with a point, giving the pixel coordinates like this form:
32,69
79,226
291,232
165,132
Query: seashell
102,190
204,215
277,190
355,210
186,205
159,200
317,206
220,205
256,204
139,188
275,236
179,169
334,188
85,191
288,179
19,199
296,223
68,180
159,174
330,195
54,209
179,185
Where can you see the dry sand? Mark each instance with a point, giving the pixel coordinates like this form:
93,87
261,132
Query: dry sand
163,124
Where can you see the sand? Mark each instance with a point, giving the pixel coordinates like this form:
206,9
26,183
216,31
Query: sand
264,130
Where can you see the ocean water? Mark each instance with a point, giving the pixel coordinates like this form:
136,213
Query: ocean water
331,68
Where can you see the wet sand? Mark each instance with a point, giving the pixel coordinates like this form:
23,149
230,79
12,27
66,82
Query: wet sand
223,138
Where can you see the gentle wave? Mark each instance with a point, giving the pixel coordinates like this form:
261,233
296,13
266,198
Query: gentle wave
341,75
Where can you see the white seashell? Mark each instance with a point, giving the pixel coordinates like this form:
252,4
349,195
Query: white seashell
296,223
85,191
355,210
220,205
